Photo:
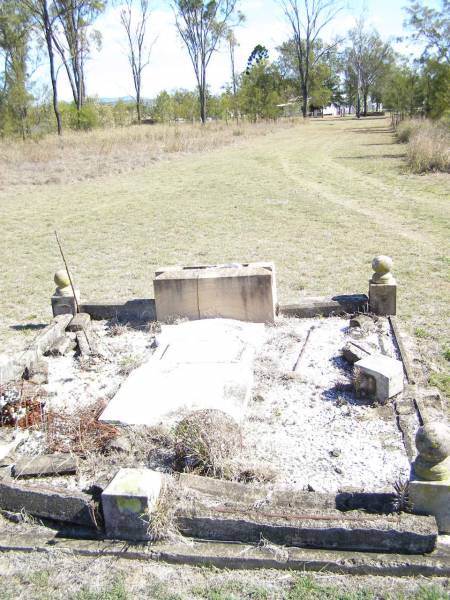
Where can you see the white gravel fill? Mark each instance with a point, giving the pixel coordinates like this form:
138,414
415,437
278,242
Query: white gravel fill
307,431
297,426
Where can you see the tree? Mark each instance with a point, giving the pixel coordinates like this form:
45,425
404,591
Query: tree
232,43
324,83
202,24
432,27
367,59
307,19
73,40
44,16
260,90
14,46
138,51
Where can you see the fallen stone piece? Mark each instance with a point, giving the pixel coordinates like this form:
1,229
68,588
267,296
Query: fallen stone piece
128,502
80,322
118,444
362,321
62,346
37,372
13,369
378,377
49,503
47,464
355,351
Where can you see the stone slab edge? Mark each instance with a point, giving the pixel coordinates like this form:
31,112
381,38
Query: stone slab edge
49,503
325,306
13,368
238,556
131,310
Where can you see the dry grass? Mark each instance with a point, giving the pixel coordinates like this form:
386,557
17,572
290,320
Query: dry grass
86,155
205,440
429,149
320,200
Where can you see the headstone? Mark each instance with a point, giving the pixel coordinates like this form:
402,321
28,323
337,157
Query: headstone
244,292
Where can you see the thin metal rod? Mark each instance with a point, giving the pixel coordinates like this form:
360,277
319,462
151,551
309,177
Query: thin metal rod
77,308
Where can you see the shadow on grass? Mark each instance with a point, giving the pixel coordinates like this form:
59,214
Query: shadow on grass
29,327
372,156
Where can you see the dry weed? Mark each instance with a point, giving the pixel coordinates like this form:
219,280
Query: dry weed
204,442
429,148
79,432
82,155
162,522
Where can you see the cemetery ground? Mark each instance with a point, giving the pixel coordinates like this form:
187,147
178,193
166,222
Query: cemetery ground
319,199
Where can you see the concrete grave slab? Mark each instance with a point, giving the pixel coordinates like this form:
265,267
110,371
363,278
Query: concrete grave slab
198,365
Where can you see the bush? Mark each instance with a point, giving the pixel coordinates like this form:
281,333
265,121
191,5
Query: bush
407,128
429,148
204,441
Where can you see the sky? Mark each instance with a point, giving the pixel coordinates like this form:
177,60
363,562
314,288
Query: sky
109,75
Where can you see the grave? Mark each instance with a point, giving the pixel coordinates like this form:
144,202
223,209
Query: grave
288,377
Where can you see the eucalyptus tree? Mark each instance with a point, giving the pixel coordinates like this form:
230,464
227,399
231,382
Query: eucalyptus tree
134,17
73,38
14,49
202,25
43,15
307,19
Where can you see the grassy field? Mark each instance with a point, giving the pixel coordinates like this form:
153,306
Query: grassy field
320,199
59,576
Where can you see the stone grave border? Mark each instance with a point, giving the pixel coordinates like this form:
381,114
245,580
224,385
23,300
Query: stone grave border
80,515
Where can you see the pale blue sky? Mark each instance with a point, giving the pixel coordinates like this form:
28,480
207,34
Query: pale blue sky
108,73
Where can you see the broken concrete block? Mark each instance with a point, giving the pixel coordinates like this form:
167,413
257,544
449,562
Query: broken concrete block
62,346
379,377
432,498
362,321
80,322
245,293
51,464
128,502
37,372
353,352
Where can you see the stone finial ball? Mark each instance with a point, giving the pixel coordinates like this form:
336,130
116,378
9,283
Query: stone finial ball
433,441
382,264
61,278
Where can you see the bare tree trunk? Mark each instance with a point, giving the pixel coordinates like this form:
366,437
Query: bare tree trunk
365,104
51,58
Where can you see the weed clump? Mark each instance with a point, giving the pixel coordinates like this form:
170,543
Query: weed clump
204,442
428,145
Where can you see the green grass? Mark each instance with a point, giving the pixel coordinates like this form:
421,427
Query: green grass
320,199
